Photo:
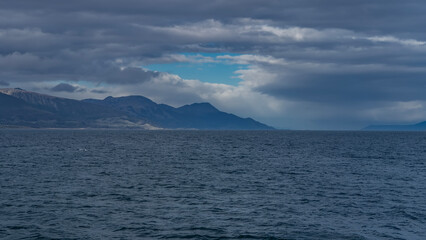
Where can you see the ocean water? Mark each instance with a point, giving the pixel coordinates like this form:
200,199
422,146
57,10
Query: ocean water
212,185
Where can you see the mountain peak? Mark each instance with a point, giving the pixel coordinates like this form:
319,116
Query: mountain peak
203,106
133,99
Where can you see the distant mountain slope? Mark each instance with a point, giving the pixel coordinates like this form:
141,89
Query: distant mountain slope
15,111
204,115
414,127
38,110
136,106
63,108
194,116
24,108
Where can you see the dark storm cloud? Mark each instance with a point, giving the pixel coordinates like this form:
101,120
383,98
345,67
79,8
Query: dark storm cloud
64,87
347,83
355,89
128,75
99,91
337,53
4,84
357,14
307,12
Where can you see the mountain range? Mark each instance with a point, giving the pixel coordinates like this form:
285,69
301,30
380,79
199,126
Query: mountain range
21,108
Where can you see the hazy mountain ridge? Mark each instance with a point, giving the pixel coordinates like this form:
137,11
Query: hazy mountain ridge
30,109
411,127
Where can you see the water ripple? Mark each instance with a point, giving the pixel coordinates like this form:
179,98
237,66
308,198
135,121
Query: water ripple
212,185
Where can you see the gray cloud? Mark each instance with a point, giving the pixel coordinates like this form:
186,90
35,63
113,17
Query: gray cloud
357,14
346,83
97,91
64,87
5,84
128,75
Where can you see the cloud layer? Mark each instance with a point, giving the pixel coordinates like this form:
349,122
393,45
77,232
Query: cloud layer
309,64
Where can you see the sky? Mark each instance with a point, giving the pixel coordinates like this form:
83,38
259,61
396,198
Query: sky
305,64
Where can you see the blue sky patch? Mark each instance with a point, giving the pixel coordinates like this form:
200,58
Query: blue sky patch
216,71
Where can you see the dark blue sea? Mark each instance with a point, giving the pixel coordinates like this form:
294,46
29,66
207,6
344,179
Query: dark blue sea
96,184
